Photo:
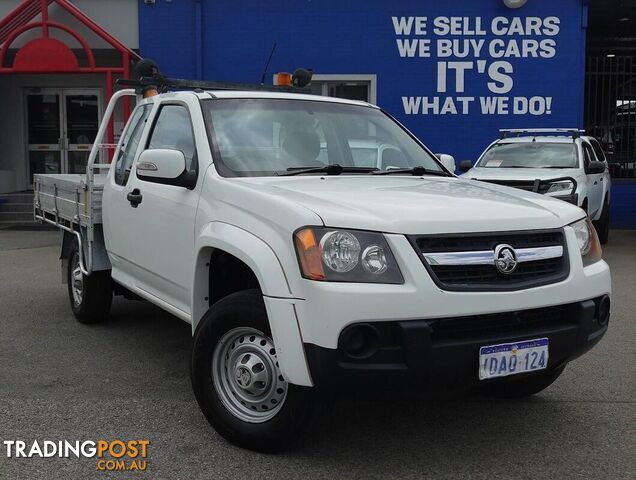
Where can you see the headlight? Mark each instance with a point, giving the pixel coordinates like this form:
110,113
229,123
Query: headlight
587,240
340,251
336,255
561,187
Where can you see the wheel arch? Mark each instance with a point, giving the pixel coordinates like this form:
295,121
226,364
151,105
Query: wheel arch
256,255
245,247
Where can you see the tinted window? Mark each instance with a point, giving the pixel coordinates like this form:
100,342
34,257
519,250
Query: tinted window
173,130
130,143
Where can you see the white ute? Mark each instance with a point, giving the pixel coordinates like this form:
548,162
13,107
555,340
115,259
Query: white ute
299,275
559,162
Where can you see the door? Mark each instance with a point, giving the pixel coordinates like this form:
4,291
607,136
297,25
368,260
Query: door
61,127
44,132
81,116
155,221
594,182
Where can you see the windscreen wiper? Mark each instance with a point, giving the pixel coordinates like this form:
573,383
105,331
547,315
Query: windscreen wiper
413,171
328,169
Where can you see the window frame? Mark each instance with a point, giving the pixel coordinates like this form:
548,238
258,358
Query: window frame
194,165
594,141
371,78
122,146
587,147
226,172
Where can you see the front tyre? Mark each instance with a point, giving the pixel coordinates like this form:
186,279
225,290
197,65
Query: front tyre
237,381
521,387
90,295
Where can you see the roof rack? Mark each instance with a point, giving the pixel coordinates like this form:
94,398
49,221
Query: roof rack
164,84
507,132
148,77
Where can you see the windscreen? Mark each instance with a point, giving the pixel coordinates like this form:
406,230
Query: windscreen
258,137
530,155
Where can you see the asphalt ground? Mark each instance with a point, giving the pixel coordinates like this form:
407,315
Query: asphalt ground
129,379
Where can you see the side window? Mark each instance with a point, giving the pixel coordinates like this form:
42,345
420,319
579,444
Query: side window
589,154
130,143
173,130
600,155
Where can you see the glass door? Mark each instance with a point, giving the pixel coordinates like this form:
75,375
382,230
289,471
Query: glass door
61,127
44,132
82,113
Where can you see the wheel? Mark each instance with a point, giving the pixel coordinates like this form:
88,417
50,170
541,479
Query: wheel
602,225
520,387
90,296
237,381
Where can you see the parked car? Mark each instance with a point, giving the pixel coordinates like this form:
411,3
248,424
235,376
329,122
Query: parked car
299,275
374,154
560,163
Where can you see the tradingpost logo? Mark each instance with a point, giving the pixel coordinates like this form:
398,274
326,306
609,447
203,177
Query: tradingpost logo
111,455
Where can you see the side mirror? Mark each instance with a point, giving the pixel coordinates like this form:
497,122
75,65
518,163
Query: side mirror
465,165
448,161
165,166
595,167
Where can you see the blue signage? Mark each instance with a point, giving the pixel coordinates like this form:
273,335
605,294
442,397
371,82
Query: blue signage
452,72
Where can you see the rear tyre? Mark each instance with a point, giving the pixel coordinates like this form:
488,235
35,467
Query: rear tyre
520,387
237,381
602,225
90,295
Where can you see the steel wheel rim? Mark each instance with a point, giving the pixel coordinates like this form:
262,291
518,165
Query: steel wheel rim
246,375
77,280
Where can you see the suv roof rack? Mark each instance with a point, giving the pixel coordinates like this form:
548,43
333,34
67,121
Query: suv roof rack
574,132
149,77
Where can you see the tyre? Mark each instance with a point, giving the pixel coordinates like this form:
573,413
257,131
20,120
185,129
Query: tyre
90,296
523,386
602,225
237,381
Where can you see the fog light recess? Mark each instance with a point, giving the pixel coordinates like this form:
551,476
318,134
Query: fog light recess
604,310
360,341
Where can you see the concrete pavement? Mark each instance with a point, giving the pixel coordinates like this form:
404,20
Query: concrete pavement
129,378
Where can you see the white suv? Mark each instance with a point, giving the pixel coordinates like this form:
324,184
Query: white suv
558,162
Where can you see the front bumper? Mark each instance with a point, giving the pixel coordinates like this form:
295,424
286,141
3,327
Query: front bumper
309,326
444,352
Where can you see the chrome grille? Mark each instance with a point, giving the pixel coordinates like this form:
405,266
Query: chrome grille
467,262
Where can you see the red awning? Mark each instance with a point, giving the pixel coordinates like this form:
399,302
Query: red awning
48,55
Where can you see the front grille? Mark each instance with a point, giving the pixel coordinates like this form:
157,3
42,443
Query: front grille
487,276
529,185
497,324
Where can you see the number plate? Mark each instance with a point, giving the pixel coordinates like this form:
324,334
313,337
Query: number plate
513,358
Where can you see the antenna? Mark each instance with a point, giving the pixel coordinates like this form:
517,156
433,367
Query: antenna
269,59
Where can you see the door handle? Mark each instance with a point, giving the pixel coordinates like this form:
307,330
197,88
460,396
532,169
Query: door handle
134,198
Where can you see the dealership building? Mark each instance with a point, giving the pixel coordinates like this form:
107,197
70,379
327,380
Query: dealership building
452,72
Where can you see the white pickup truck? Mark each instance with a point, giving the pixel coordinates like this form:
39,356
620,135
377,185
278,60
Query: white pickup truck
559,162
300,274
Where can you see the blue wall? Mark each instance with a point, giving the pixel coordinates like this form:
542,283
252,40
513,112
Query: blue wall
623,206
359,36
231,40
